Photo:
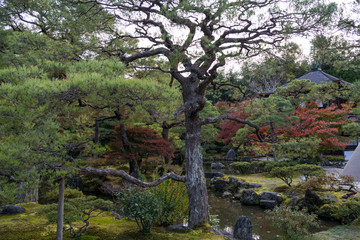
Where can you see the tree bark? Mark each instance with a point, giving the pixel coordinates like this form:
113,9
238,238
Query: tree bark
133,166
165,135
195,177
96,137
131,179
60,217
165,131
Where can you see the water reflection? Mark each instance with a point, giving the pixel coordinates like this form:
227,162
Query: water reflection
229,212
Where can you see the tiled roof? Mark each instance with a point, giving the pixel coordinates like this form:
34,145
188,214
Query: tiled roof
317,76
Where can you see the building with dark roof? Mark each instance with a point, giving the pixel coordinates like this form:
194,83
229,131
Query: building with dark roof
316,76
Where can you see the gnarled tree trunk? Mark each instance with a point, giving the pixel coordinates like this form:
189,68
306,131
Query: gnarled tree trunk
195,177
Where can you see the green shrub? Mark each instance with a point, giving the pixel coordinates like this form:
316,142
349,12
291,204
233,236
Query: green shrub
142,205
327,211
344,212
323,182
214,222
242,167
70,193
78,210
273,164
295,223
286,174
309,170
347,211
335,158
258,166
172,196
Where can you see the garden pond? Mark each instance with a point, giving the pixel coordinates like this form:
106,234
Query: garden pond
228,211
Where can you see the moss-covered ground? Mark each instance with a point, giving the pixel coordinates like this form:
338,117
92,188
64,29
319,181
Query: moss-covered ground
344,232
267,183
33,225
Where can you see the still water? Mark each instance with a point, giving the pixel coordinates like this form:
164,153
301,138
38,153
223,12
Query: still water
229,211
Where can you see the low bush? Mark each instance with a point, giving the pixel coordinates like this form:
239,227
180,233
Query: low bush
76,210
324,182
335,158
344,212
309,170
286,174
296,224
140,204
242,167
258,166
214,222
273,164
172,197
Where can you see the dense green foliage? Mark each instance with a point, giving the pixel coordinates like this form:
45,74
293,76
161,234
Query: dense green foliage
309,170
286,174
295,223
173,200
344,212
164,205
141,205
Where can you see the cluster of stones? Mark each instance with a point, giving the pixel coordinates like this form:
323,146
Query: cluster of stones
11,209
242,191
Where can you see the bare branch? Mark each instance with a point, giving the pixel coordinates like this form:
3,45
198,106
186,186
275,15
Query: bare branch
124,175
218,85
222,117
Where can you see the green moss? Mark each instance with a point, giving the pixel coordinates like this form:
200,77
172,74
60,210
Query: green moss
267,183
338,232
32,225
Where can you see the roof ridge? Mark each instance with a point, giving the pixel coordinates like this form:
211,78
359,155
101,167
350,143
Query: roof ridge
331,77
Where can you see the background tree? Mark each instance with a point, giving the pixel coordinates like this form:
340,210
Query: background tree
141,143
275,68
336,56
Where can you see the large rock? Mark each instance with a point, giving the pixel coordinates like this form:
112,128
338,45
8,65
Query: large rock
220,185
231,155
249,197
243,229
243,185
254,185
213,174
271,196
311,201
227,194
268,204
233,180
11,209
217,165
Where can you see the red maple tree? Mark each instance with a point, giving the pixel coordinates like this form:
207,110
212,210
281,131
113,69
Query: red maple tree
311,122
142,143
230,127
323,123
